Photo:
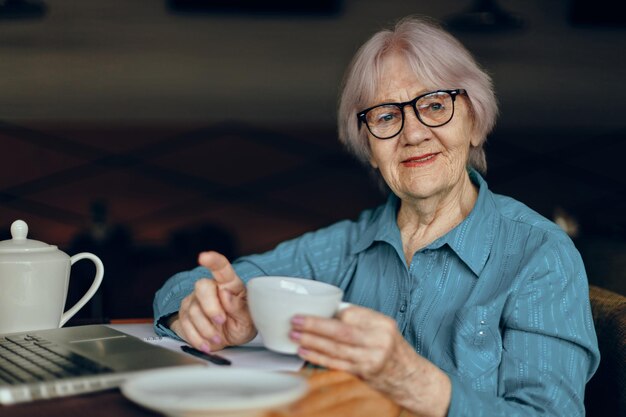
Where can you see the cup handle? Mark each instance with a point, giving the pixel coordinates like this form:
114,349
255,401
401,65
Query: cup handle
97,280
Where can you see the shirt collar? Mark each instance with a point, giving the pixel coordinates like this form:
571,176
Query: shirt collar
382,227
471,240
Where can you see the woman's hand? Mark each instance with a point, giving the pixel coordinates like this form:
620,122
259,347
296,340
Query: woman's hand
216,313
369,345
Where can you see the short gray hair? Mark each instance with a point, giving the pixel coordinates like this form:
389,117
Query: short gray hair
439,60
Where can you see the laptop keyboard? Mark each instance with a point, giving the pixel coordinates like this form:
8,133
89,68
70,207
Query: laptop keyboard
31,359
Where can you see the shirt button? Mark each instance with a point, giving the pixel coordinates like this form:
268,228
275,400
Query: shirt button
482,322
481,333
403,307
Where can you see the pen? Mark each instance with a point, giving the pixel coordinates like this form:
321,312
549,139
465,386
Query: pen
211,357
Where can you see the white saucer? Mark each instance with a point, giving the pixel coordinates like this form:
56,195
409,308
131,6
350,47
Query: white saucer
192,391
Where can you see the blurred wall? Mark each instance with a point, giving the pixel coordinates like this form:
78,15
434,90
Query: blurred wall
123,117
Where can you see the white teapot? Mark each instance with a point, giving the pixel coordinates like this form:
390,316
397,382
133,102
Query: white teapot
34,281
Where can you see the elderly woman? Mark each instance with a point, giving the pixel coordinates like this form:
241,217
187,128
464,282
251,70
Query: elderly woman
467,303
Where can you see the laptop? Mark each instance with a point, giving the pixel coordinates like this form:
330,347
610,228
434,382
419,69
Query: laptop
67,361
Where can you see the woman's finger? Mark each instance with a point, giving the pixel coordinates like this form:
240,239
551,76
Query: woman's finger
206,296
323,327
321,359
207,329
346,333
329,347
222,271
361,316
191,335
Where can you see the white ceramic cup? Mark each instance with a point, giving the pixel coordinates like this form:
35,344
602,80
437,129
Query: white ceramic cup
274,300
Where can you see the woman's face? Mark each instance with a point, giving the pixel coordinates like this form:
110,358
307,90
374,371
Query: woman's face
420,162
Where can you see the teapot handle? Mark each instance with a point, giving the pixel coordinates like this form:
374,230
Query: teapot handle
97,280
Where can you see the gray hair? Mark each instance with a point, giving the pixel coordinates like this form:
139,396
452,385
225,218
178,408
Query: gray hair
439,60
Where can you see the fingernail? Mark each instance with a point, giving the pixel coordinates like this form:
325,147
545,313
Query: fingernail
205,348
295,335
303,352
219,319
216,339
297,320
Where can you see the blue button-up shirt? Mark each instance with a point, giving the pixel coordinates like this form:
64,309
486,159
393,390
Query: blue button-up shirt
500,303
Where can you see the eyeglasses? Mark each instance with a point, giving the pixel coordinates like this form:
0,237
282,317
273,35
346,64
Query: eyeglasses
433,109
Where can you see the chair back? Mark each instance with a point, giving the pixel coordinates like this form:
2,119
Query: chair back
605,394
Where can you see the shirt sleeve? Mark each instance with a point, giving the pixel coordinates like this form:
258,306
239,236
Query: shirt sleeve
549,344
322,255
168,298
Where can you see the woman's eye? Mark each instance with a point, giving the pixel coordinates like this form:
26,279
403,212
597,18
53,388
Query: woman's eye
432,107
385,118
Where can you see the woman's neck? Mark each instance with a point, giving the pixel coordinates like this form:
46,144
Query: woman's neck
421,221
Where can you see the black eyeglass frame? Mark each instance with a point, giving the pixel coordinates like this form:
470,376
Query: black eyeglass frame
361,116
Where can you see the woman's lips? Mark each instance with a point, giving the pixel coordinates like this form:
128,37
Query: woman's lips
421,160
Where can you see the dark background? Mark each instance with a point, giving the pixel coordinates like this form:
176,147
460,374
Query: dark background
145,131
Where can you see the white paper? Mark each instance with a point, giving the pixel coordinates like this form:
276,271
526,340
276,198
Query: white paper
252,355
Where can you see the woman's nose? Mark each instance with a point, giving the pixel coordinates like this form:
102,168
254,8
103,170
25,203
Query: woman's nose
414,131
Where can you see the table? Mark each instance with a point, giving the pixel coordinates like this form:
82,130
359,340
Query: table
331,393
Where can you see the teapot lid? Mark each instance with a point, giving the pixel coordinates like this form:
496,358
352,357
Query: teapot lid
19,243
